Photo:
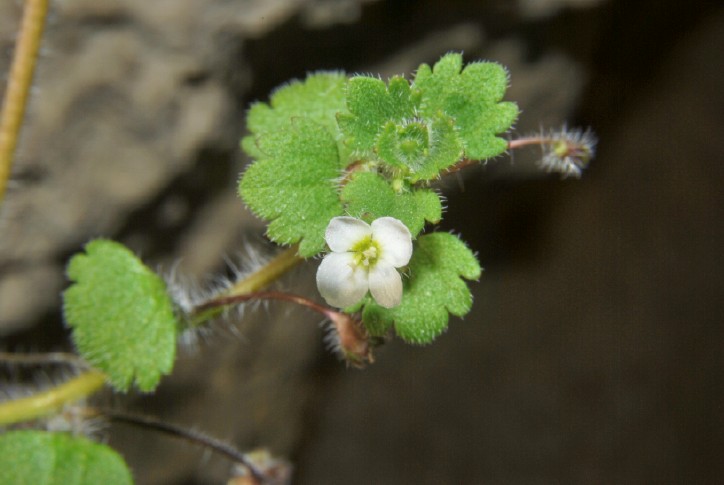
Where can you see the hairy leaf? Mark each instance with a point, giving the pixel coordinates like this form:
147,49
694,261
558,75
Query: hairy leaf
421,148
472,98
295,188
434,289
369,196
42,458
318,98
121,316
371,105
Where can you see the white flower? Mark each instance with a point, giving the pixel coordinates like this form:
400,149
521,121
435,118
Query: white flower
364,257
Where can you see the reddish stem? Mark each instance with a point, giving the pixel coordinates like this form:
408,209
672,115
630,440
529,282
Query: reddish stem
353,341
533,140
465,162
265,295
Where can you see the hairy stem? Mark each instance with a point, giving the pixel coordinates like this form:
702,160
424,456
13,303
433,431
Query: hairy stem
18,87
268,273
46,402
531,140
195,437
352,341
227,300
512,145
61,358
263,277
465,162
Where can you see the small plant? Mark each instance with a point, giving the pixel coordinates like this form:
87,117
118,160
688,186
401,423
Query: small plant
344,169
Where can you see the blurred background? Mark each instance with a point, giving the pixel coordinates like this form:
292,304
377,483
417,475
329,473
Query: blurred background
593,353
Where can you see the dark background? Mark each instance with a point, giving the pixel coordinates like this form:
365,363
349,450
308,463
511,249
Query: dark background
593,351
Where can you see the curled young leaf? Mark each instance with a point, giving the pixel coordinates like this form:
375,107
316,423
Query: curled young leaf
372,104
420,148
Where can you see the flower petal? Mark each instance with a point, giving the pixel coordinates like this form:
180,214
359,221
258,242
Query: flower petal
340,283
343,232
385,285
394,239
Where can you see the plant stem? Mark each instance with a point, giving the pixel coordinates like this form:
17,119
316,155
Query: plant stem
225,300
89,382
512,145
531,140
465,162
268,273
46,402
352,342
192,436
61,358
256,281
18,87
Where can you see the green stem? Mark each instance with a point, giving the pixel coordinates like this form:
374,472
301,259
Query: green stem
258,280
47,402
18,87
268,273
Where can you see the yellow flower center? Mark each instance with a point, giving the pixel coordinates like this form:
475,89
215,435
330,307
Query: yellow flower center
366,253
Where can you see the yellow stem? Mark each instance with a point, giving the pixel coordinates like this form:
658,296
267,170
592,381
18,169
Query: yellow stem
256,281
47,402
268,273
19,81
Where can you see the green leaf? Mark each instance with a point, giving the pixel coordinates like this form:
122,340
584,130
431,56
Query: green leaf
369,196
377,320
421,148
41,458
472,97
296,187
371,105
318,98
434,289
121,315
